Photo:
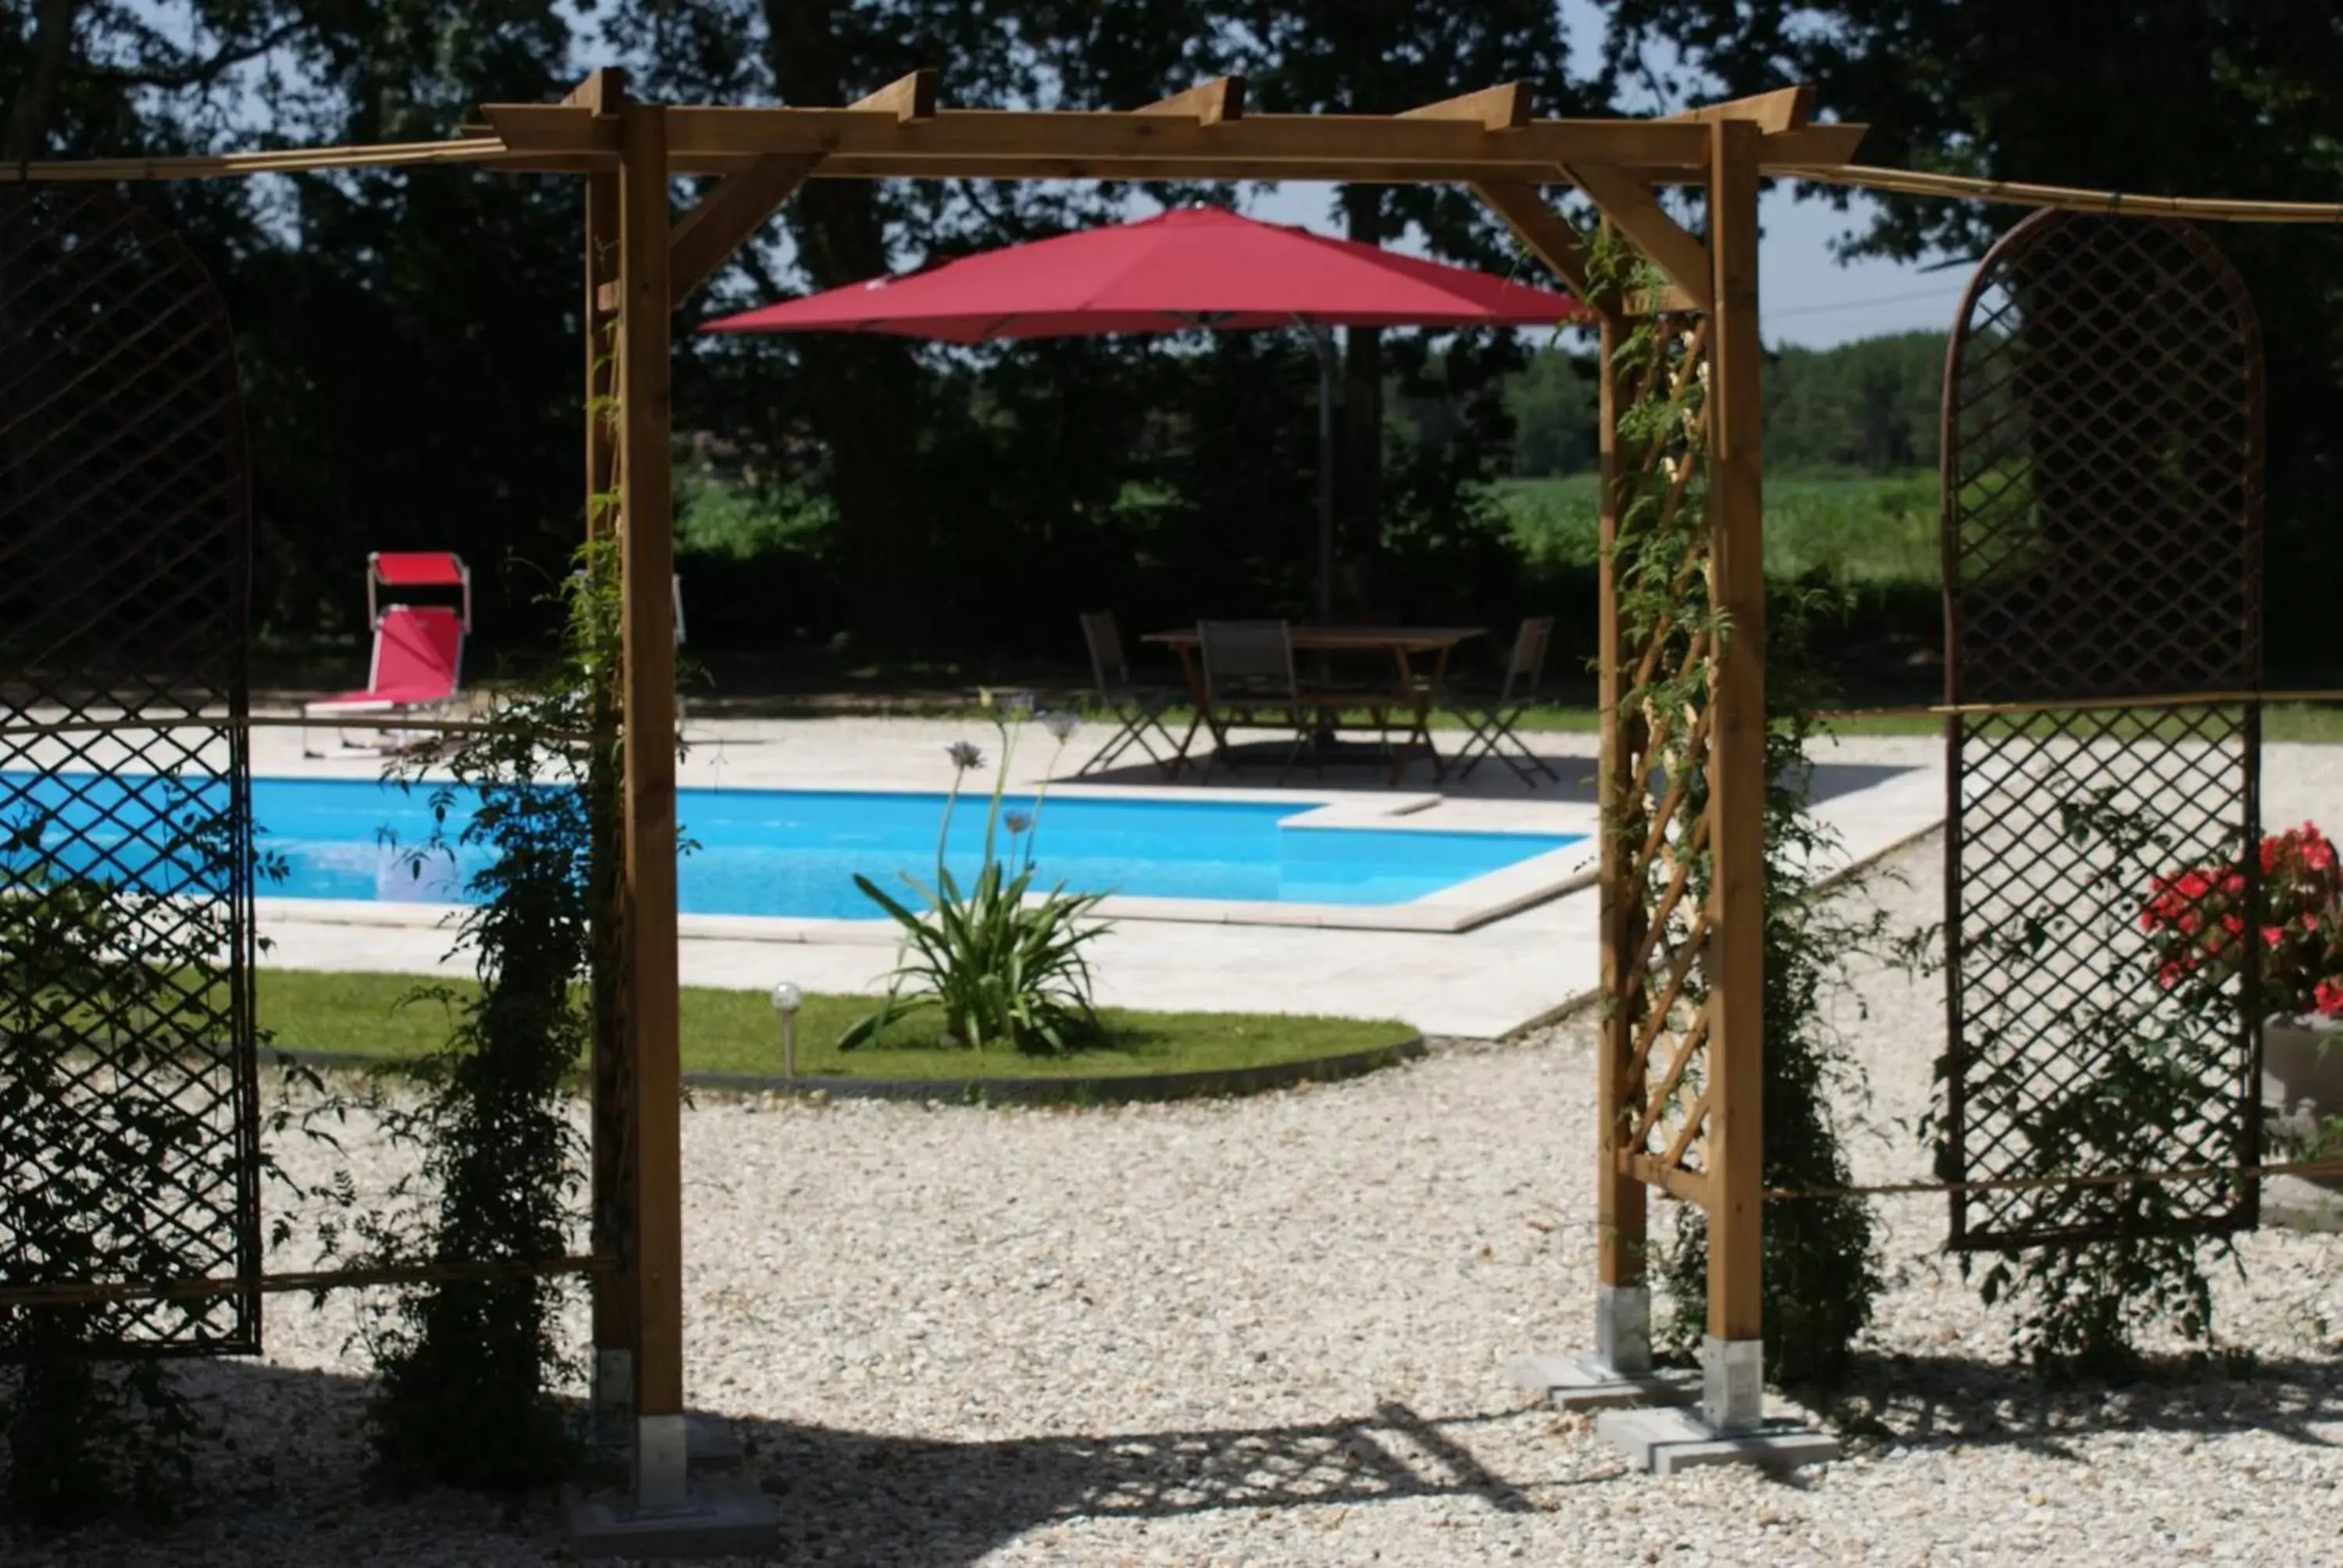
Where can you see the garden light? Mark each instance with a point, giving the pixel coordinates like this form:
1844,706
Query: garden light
787,1000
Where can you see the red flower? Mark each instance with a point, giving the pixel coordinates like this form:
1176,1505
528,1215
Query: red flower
2328,998
2193,885
2168,973
2234,924
2272,936
2317,852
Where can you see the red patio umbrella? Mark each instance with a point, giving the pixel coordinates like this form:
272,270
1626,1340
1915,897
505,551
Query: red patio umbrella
1196,266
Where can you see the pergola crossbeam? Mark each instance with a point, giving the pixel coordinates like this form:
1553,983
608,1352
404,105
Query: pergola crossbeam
1783,109
867,141
906,98
1504,107
1212,103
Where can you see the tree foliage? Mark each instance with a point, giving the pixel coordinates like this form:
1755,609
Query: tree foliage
2199,97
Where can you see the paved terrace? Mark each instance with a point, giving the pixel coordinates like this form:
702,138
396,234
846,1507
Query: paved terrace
1493,979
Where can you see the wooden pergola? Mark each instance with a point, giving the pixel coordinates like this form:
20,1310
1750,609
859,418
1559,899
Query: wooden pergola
1680,1073
642,261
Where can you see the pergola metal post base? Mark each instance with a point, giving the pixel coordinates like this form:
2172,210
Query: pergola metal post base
692,1498
1733,1383
1590,1383
1619,1374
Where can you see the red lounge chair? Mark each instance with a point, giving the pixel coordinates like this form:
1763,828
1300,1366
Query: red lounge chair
418,648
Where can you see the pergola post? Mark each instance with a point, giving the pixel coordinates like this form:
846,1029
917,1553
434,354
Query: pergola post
1732,1358
610,1116
647,551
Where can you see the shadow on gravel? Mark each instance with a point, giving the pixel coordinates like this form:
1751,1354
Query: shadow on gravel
854,1499
1955,1401
283,1475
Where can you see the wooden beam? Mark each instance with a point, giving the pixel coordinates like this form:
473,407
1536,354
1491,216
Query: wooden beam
1001,144
610,1116
1212,103
552,127
1738,785
1542,229
1783,109
603,92
1636,213
1833,144
1620,1200
1012,135
728,216
1504,107
907,98
647,554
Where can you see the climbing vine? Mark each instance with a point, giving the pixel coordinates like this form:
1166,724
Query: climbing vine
469,1365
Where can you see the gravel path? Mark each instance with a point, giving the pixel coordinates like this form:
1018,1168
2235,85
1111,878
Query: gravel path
1272,1330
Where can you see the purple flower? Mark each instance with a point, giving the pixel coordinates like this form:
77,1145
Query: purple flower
964,754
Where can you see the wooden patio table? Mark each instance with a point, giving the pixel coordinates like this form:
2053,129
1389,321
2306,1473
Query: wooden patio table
1419,657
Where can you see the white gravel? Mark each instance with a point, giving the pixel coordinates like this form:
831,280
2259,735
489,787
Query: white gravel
1272,1330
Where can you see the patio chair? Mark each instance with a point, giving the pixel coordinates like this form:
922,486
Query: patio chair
1249,682
418,648
1490,720
1136,710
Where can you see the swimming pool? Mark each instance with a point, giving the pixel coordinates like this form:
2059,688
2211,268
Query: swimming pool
794,852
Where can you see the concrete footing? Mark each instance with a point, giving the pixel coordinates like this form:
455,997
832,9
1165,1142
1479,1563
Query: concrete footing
1588,1382
720,1516
719,1511
1662,1442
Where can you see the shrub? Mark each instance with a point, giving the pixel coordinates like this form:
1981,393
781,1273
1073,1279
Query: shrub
1002,965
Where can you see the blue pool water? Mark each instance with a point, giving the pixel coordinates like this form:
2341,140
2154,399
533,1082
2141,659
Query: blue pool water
794,852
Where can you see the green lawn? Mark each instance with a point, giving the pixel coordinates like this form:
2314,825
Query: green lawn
735,1032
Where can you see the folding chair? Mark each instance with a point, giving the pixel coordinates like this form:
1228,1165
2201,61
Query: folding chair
1248,667
418,648
1492,721
1135,709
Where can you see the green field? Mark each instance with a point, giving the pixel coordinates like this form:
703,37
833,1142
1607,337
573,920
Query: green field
734,1031
1863,531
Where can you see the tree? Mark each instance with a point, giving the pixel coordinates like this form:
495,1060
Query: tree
2213,97
863,398
1379,56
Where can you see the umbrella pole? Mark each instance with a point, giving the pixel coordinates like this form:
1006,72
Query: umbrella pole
1322,339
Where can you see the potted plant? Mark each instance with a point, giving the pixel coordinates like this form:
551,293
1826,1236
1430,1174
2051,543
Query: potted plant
2198,920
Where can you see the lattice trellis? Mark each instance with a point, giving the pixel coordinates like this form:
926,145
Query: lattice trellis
1668,651
2102,485
127,1094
